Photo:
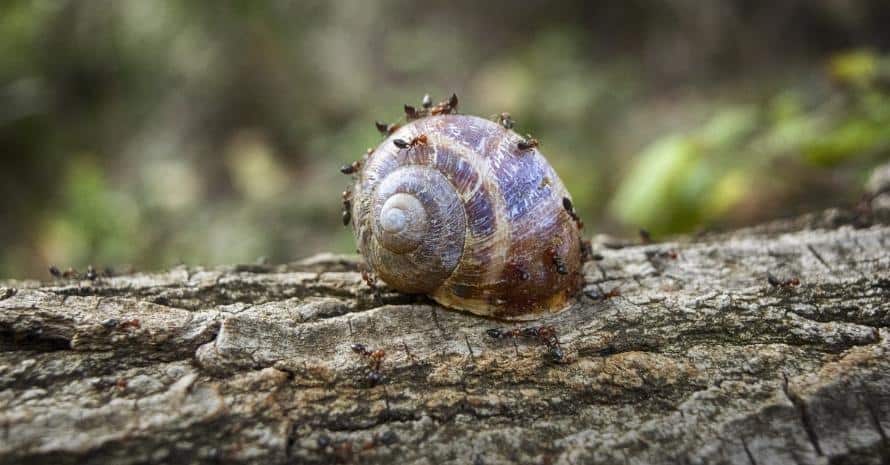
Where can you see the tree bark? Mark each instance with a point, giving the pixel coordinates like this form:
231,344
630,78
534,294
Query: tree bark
710,354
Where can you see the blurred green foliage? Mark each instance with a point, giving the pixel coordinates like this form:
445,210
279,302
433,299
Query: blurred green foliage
155,132
681,181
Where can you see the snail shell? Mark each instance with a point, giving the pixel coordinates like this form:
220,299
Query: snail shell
468,218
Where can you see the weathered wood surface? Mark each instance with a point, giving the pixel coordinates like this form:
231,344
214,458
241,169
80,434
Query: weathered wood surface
700,360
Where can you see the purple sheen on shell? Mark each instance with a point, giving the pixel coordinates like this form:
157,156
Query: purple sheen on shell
496,226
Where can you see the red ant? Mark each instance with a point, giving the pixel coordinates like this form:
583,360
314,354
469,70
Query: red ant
375,359
445,107
528,143
784,283
596,294
544,334
417,141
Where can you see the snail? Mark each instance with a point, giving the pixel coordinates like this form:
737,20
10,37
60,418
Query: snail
468,212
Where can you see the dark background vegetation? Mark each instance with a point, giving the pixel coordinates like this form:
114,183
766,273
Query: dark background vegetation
158,132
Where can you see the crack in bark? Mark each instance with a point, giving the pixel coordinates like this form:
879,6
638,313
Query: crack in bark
748,452
875,419
236,292
804,414
31,340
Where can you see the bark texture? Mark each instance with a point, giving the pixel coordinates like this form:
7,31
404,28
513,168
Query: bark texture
699,360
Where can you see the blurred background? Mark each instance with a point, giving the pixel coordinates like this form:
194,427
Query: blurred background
153,133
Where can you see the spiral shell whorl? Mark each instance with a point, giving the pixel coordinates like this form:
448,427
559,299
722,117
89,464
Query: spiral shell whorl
467,219
425,251
403,223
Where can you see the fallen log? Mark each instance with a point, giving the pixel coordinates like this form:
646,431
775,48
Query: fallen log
764,345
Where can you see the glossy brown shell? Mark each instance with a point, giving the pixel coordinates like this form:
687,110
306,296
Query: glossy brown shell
468,218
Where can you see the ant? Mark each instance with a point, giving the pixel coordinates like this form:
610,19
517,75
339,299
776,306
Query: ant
545,334
505,120
662,254
386,129
351,168
596,294
132,323
411,112
445,107
558,262
570,208
369,278
587,251
784,283
70,273
375,359
91,273
347,207
417,141
528,143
